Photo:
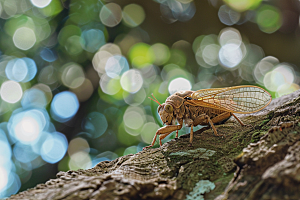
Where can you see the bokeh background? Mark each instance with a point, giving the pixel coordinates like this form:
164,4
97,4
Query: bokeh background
75,74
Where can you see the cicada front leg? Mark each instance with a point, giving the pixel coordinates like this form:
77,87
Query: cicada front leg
164,131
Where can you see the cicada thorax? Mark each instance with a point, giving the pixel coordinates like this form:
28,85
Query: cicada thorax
192,112
177,101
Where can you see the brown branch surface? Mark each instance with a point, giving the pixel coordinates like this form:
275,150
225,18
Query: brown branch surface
258,161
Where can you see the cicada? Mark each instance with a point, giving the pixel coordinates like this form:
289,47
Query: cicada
208,107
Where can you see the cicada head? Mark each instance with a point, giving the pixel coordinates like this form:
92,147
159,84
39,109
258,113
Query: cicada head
166,113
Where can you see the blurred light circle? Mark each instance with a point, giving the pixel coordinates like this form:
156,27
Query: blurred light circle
149,74
3,180
111,14
253,56
16,70
21,69
263,67
132,132
27,129
80,160
9,9
116,65
84,91
148,130
95,123
133,15
11,91
42,30
135,99
172,71
110,85
78,144
5,149
54,147
243,5
230,55
182,11
24,38
50,127
133,119
46,89
166,12
13,183
72,75
228,16
197,43
99,61
40,3
3,63
130,150
141,55
27,167
67,32
230,35
48,55
111,48
287,72
207,40
281,75
285,89
161,53
210,54
73,45
92,40
49,76
200,60
34,97
26,126
179,84
131,81
24,153
31,67
268,18
273,80
64,106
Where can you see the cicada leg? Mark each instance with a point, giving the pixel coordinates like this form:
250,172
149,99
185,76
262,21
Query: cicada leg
161,137
211,122
166,130
191,135
238,119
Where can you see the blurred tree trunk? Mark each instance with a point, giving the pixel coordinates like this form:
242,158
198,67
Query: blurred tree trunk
259,161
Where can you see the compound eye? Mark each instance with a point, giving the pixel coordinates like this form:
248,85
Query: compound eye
169,108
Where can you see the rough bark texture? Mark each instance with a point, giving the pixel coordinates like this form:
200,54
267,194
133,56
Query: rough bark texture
259,161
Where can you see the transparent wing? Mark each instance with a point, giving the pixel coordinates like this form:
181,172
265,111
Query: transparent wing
238,99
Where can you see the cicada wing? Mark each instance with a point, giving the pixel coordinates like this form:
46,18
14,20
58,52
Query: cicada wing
238,99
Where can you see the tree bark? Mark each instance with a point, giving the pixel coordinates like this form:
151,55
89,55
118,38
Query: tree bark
258,161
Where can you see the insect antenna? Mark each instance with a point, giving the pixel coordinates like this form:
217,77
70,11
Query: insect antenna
155,99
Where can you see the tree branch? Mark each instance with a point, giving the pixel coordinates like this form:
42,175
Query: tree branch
264,155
